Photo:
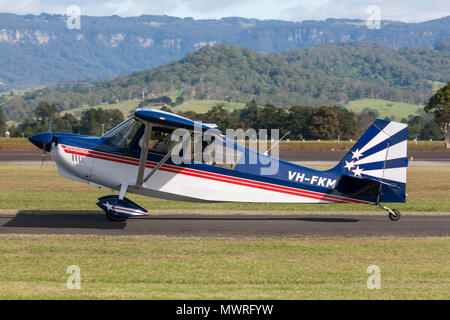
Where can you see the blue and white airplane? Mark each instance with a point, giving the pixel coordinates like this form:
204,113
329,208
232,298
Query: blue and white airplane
372,172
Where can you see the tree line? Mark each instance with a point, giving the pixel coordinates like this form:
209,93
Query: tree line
297,122
92,121
310,123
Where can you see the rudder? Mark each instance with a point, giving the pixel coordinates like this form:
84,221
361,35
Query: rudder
380,155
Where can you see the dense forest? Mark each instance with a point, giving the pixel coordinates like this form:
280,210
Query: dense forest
329,74
414,69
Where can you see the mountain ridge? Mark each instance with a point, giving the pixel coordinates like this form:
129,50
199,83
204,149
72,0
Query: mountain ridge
40,49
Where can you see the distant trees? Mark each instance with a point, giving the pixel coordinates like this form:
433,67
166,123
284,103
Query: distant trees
2,123
327,123
442,45
422,129
366,117
92,121
309,123
220,116
45,111
439,106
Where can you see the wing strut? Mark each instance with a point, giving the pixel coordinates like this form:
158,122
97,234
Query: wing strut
174,148
160,163
144,152
140,178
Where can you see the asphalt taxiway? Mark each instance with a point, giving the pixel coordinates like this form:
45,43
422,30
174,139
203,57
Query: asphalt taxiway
191,225
297,156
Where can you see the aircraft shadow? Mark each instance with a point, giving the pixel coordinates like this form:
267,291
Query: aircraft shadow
80,219
242,218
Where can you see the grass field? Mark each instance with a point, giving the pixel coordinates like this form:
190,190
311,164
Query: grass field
125,106
34,267
203,106
32,187
386,108
199,106
156,267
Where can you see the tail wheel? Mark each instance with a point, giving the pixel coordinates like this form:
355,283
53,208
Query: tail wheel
394,215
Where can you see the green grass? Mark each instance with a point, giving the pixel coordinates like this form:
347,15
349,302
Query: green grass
386,108
156,267
125,106
32,187
145,267
203,106
199,106
437,85
10,123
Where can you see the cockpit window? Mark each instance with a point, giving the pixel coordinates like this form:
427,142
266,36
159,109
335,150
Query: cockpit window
122,135
214,149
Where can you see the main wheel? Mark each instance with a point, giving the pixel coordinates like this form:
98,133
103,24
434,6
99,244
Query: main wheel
115,219
395,216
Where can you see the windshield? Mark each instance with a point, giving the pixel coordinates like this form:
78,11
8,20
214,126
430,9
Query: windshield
120,135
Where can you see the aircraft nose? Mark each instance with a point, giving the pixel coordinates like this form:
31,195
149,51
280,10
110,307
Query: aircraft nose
41,140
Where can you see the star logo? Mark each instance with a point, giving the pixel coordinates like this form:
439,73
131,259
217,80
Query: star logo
357,154
108,206
349,165
357,172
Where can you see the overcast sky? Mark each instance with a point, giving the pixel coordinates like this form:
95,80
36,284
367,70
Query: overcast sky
294,10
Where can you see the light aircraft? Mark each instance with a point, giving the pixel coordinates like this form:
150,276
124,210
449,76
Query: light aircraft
124,160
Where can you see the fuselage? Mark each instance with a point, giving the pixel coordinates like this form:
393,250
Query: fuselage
94,161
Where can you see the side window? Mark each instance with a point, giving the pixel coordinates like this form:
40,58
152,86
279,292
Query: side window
160,141
220,152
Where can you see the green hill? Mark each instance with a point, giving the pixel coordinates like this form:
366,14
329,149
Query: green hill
385,108
332,74
412,68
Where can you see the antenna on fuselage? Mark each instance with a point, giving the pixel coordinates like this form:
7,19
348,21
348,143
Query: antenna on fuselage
267,151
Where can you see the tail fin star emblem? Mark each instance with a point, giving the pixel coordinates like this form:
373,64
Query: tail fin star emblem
349,165
357,154
357,172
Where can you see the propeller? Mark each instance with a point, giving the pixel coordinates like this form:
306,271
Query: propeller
43,140
47,146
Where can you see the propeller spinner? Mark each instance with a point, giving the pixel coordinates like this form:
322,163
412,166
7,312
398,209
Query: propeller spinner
43,140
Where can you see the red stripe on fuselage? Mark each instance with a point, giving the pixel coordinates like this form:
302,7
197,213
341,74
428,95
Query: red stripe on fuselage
209,175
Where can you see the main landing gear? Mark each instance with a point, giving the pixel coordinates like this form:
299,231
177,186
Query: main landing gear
394,215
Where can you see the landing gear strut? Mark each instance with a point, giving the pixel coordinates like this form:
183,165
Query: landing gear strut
394,215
